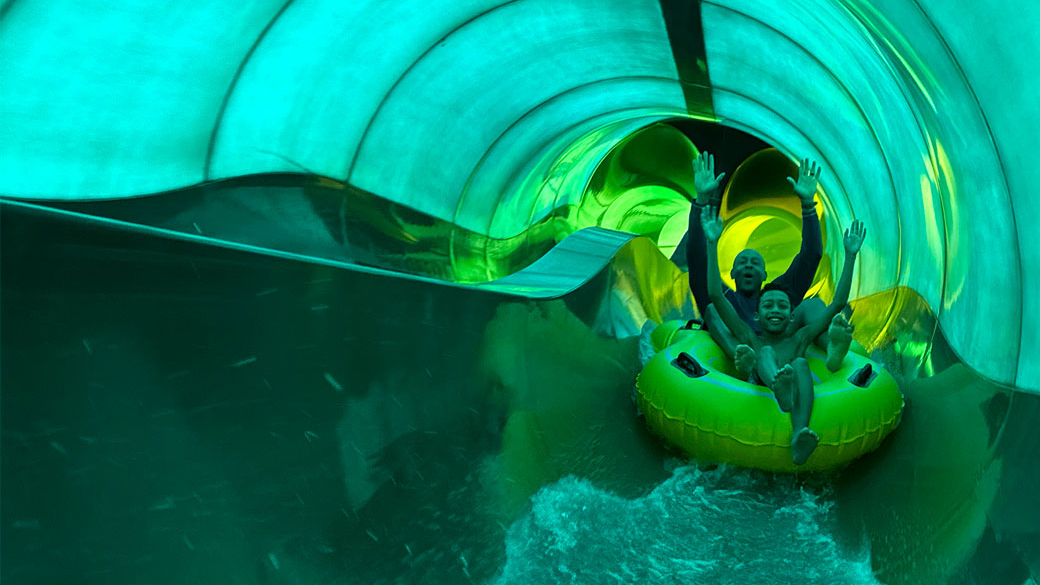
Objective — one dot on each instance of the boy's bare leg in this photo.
(839, 339)
(838, 346)
(805, 312)
(780, 380)
(720, 333)
(803, 440)
(742, 356)
(744, 360)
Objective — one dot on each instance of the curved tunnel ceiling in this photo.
(488, 113)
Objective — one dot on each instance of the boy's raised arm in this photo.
(712, 224)
(853, 242)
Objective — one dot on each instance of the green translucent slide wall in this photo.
(489, 115)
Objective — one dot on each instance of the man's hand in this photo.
(808, 178)
(854, 237)
(704, 179)
(712, 224)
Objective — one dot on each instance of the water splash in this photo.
(718, 526)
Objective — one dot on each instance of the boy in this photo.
(780, 364)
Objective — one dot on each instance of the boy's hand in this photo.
(712, 224)
(808, 179)
(704, 179)
(854, 237)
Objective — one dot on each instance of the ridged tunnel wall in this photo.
(491, 115)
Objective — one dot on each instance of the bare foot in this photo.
(840, 337)
(783, 388)
(744, 359)
(802, 445)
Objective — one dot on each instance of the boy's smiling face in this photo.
(774, 311)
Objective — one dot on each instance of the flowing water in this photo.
(173, 413)
(718, 526)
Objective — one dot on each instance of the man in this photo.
(749, 272)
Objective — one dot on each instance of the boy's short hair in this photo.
(774, 286)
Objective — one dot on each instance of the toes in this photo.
(802, 445)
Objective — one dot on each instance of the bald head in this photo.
(749, 271)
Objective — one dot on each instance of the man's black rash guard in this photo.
(796, 280)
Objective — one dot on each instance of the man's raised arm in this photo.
(707, 186)
(799, 275)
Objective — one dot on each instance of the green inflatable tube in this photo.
(713, 416)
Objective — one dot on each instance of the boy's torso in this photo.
(787, 349)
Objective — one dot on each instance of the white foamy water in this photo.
(723, 526)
